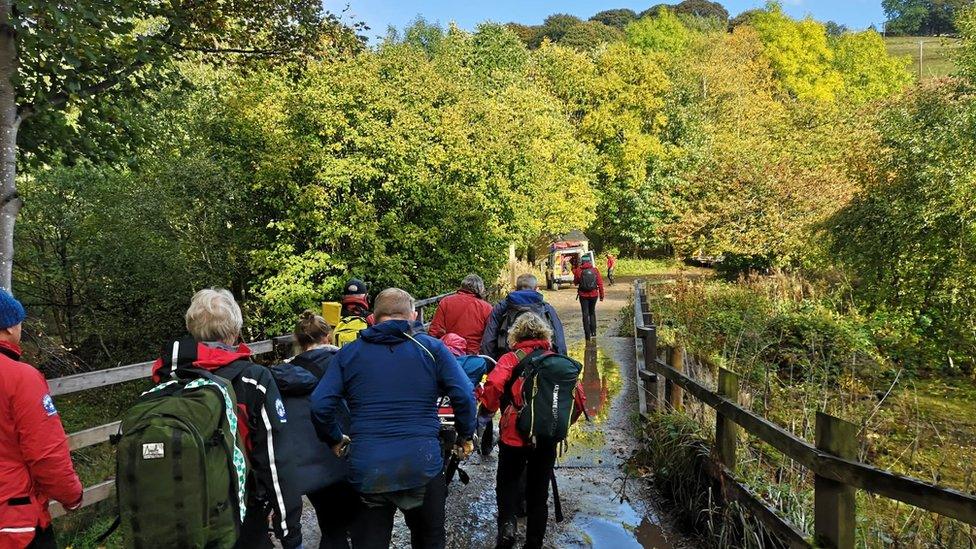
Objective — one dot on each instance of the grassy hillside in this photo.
(937, 60)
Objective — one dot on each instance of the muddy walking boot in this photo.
(507, 532)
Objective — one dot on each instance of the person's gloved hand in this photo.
(342, 447)
(464, 448)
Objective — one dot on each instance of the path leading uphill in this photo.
(591, 480)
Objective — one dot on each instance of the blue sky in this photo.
(378, 14)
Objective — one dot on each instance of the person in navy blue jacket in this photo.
(525, 298)
(318, 473)
(391, 379)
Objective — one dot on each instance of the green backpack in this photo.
(180, 471)
(547, 382)
(347, 330)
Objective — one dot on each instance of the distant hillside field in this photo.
(937, 59)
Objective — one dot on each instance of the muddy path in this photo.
(601, 507)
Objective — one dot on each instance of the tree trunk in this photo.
(9, 124)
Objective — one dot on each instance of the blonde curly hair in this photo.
(529, 326)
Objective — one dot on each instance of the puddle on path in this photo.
(587, 443)
(602, 519)
(626, 530)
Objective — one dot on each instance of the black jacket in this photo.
(315, 466)
(270, 460)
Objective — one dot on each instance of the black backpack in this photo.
(511, 315)
(588, 281)
(547, 382)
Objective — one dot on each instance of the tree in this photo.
(425, 35)
(589, 35)
(654, 10)
(744, 18)
(866, 68)
(835, 29)
(616, 98)
(663, 32)
(800, 54)
(527, 34)
(497, 56)
(909, 238)
(55, 55)
(555, 27)
(618, 18)
(703, 8)
(925, 17)
(905, 17)
(966, 57)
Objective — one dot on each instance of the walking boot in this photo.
(506, 535)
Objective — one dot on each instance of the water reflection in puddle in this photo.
(603, 520)
(627, 529)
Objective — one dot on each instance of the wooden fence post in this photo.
(672, 393)
(646, 307)
(651, 390)
(726, 432)
(834, 511)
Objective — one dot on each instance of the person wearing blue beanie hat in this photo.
(11, 311)
(35, 463)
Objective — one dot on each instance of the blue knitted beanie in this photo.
(11, 311)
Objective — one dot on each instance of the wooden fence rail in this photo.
(142, 370)
(832, 460)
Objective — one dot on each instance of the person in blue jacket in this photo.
(318, 473)
(525, 298)
(391, 379)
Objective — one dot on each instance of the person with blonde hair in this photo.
(320, 475)
(214, 321)
(391, 378)
(530, 336)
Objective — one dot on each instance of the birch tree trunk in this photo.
(9, 124)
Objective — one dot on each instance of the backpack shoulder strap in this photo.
(422, 346)
(517, 371)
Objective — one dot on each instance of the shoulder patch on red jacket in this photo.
(48, 403)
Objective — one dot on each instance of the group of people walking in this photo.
(350, 422)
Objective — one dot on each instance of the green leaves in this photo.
(910, 235)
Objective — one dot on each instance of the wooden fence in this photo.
(832, 459)
(142, 370)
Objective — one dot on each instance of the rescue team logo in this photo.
(48, 403)
(153, 450)
(280, 408)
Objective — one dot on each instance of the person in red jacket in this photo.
(515, 454)
(465, 313)
(35, 463)
(590, 287)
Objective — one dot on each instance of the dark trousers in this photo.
(373, 527)
(336, 507)
(588, 305)
(43, 539)
(537, 462)
(255, 533)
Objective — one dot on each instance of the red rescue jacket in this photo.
(495, 386)
(578, 273)
(464, 314)
(35, 463)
